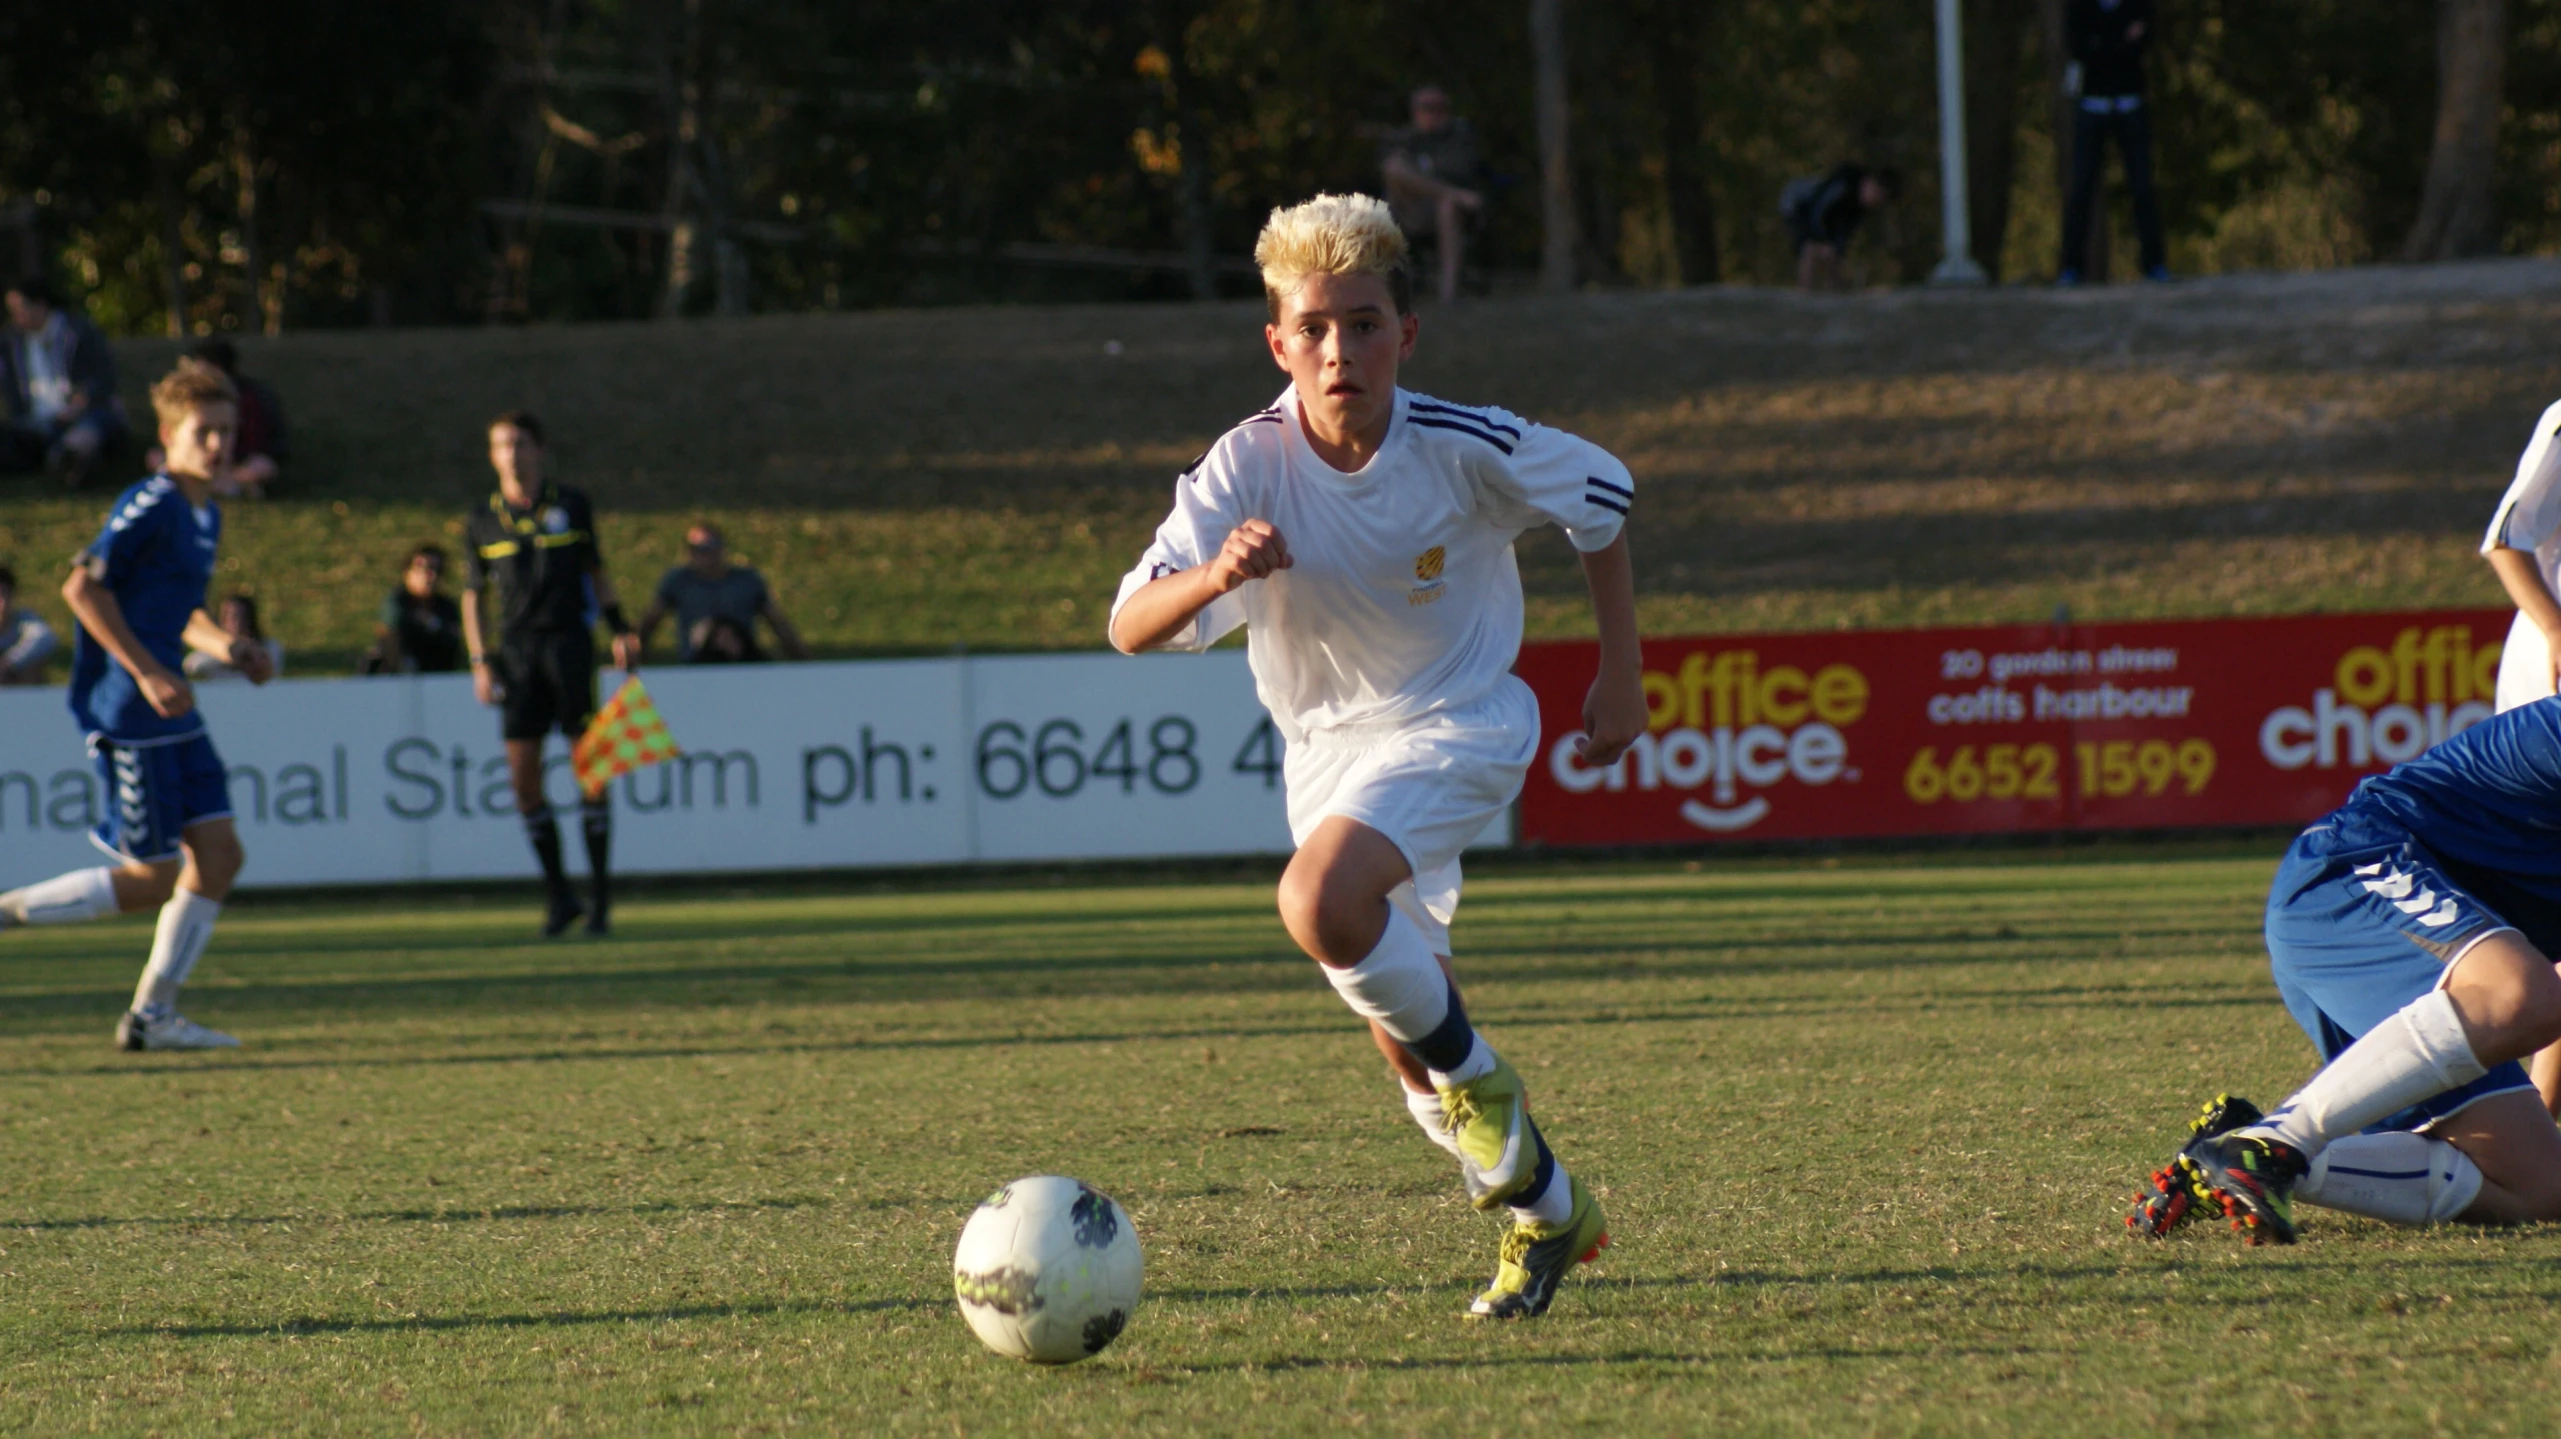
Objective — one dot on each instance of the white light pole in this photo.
(1958, 268)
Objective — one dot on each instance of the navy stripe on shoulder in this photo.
(1438, 407)
(1498, 443)
(1604, 502)
(1622, 491)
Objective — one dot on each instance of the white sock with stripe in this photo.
(2399, 1178)
(70, 898)
(2418, 1053)
(1426, 1109)
(186, 927)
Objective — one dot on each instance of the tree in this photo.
(1557, 226)
(2456, 218)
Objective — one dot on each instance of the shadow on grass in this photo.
(300, 1325)
(1710, 1009)
(461, 1214)
(1052, 976)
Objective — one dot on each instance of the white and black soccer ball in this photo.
(1047, 1270)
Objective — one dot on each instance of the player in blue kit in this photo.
(2410, 935)
(139, 593)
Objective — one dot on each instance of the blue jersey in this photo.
(2487, 802)
(156, 557)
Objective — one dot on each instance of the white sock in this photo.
(2417, 1054)
(2395, 1177)
(63, 899)
(1399, 983)
(186, 926)
(1426, 1109)
(1554, 1205)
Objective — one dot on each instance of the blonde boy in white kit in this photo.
(1363, 536)
(2524, 550)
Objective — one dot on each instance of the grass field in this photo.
(1863, 1127)
(915, 480)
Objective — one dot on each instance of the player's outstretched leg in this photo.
(596, 824)
(83, 894)
(2173, 1193)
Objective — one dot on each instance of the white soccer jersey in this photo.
(2529, 516)
(1403, 598)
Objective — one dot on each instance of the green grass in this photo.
(1864, 1128)
(915, 480)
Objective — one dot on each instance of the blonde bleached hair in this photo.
(1333, 235)
(191, 386)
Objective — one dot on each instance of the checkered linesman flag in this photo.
(625, 735)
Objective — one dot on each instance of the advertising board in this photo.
(2167, 724)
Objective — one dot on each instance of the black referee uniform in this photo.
(539, 561)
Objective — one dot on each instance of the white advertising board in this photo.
(812, 766)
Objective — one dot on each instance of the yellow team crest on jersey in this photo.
(1427, 573)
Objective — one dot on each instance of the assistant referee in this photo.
(536, 541)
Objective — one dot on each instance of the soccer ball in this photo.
(1047, 1270)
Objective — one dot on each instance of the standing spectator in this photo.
(534, 542)
(263, 446)
(2106, 38)
(239, 619)
(1823, 212)
(26, 641)
(61, 394)
(717, 604)
(1436, 181)
(420, 630)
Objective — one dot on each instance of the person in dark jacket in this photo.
(61, 409)
(1823, 212)
(2107, 39)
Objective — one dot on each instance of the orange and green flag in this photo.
(625, 735)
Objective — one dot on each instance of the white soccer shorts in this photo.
(1430, 785)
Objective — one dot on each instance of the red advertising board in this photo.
(2151, 725)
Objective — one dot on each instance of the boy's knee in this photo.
(1330, 913)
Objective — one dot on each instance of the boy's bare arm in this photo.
(95, 607)
(1162, 606)
(1614, 711)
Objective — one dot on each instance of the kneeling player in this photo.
(139, 593)
(2409, 933)
(1363, 535)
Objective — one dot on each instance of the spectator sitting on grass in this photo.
(62, 410)
(240, 617)
(1823, 212)
(1435, 181)
(26, 641)
(420, 628)
(708, 587)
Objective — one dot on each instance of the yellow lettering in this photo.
(2364, 676)
(1693, 685)
(2405, 665)
(1775, 709)
(1662, 700)
(2485, 669)
(1840, 694)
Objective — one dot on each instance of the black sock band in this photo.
(1446, 1047)
(544, 835)
(1541, 1177)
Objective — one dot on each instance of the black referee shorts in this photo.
(546, 682)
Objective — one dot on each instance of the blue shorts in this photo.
(153, 792)
(2362, 920)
